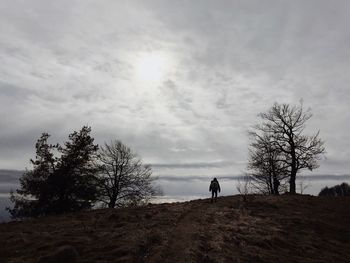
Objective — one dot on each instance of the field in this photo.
(258, 229)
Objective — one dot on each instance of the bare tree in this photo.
(303, 184)
(244, 185)
(266, 169)
(285, 124)
(122, 178)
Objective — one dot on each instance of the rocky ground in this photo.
(258, 229)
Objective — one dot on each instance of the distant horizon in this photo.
(189, 184)
(307, 175)
(181, 191)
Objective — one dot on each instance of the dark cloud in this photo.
(9, 180)
(197, 165)
(186, 178)
(318, 177)
(10, 176)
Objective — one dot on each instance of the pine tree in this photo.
(58, 184)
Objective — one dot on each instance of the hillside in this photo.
(263, 229)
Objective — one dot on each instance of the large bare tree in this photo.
(122, 178)
(284, 125)
(266, 169)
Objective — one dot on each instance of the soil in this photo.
(234, 229)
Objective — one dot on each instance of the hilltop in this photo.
(262, 229)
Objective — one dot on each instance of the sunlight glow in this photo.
(151, 67)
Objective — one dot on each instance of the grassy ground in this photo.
(259, 229)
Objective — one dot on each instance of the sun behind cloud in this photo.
(151, 67)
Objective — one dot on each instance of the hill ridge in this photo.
(262, 229)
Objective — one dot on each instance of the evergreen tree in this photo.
(58, 184)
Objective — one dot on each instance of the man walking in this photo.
(214, 188)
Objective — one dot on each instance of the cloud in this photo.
(215, 164)
(319, 177)
(188, 178)
(9, 180)
(316, 177)
(10, 176)
(70, 64)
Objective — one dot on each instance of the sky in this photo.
(180, 82)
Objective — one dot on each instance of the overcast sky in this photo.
(178, 81)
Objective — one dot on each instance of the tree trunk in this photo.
(292, 188)
(270, 186)
(293, 172)
(111, 203)
(276, 184)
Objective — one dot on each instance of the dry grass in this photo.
(260, 229)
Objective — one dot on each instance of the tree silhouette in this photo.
(123, 178)
(337, 190)
(284, 125)
(58, 184)
(265, 167)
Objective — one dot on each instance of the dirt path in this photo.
(188, 240)
(262, 229)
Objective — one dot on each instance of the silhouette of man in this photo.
(214, 188)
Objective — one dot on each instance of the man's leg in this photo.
(216, 195)
(212, 195)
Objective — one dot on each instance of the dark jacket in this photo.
(214, 186)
